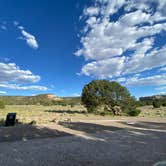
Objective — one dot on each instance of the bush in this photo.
(156, 104)
(102, 113)
(2, 122)
(72, 105)
(63, 104)
(164, 104)
(107, 113)
(141, 103)
(134, 112)
(33, 122)
(2, 105)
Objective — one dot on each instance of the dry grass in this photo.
(54, 114)
(42, 114)
(149, 111)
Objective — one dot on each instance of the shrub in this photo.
(141, 103)
(2, 122)
(102, 113)
(164, 104)
(72, 105)
(63, 104)
(156, 104)
(2, 105)
(134, 112)
(33, 122)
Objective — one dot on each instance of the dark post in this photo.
(10, 119)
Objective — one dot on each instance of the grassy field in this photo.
(51, 114)
(42, 114)
(149, 111)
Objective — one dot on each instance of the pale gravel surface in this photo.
(143, 144)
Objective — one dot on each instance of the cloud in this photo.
(16, 23)
(143, 62)
(12, 77)
(104, 68)
(117, 44)
(6, 59)
(3, 27)
(121, 79)
(161, 88)
(163, 93)
(76, 94)
(10, 72)
(91, 11)
(3, 92)
(162, 69)
(29, 38)
(150, 80)
(134, 18)
(19, 87)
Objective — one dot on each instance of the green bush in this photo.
(134, 112)
(102, 113)
(156, 104)
(2, 122)
(33, 122)
(106, 113)
(63, 104)
(141, 103)
(72, 105)
(164, 104)
(2, 105)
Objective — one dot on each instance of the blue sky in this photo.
(59, 46)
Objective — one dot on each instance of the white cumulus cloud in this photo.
(116, 44)
(10, 72)
(3, 92)
(12, 77)
(150, 80)
(20, 87)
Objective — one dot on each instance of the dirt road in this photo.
(89, 143)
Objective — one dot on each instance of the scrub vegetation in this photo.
(100, 99)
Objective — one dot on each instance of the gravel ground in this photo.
(142, 144)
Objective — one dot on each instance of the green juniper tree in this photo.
(108, 94)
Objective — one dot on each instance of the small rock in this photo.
(130, 123)
(24, 139)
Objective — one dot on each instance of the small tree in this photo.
(134, 112)
(164, 104)
(108, 94)
(156, 104)
(2, 105)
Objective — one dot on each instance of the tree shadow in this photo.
(66, 111)
(147, 125)
(88, 127)
(2, 122)
(105, 145)
(125, 134)
(26, 131)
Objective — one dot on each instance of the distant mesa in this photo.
(29, 100)
(155, 97)
(49, 96)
